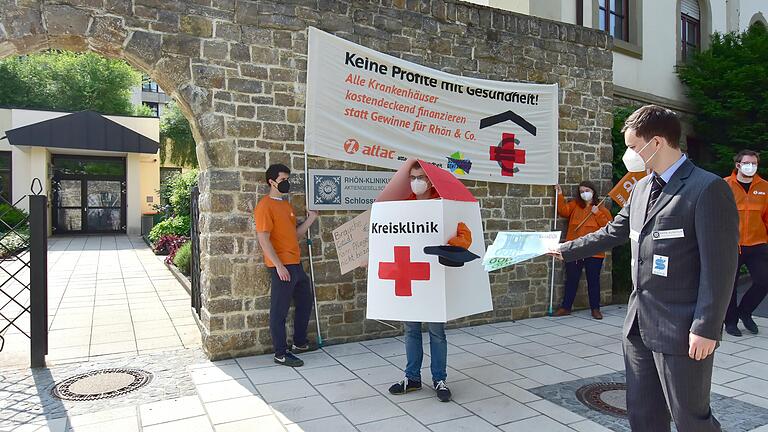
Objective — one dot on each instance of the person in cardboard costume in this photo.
(424, 289)
(421, 188)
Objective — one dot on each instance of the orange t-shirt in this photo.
(276, 217)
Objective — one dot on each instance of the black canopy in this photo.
(85, 130)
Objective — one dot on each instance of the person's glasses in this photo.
(421, 177)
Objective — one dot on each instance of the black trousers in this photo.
(298, 291)
(756, 259)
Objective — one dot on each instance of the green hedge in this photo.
(181, 192)
(11, 217)
(182, 258)
(177, 225)
(621, 273)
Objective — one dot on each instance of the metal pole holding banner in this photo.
(38, 276)
(552, 280)
(309, 246)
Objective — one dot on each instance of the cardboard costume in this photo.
(405, 283)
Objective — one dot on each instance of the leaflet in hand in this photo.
(513, 247)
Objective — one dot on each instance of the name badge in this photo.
(668, 234)
(660, 265)
(634, 235)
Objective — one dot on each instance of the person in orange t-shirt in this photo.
(278, 235)
(585, 216)
(751, 194)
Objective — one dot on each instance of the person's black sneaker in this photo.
(404, 386)
(302, 348)
(442, 391)
(288, 359)
(732, 329)
(749, 323)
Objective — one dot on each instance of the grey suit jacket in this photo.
(684, 257)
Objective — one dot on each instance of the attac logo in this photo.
(458, 165)
(352, 146)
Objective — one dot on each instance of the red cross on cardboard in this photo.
(507, 155)
(403, 271)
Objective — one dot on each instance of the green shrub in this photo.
(621, 272)
(182, 258)
(177, 225)
(181, 192)
(10, 217)
(166, 187)
(12, 243)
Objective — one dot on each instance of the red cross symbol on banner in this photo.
(507, 155)
(403, 271)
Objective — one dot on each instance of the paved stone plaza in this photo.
(511, 376)
(123, 300)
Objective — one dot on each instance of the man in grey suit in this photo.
(684, 231)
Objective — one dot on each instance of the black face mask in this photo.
(284, 186)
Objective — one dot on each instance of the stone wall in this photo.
(238, 69)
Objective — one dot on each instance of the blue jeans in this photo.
(414, 351)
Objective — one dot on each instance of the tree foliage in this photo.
(621, 274)
(177, 143)
(68, 81)
(728, 85)
(620, 115)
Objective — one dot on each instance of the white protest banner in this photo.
(513, 247)
(371, 108)
(345, 190)
(351, 240)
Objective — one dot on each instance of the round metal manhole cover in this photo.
(101, 384)
(605, 397)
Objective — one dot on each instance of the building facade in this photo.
(650, 37)
(96, 182)
(151, 95)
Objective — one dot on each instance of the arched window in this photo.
(690, 28)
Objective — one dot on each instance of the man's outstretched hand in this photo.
(555, 252)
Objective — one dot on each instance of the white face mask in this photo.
(634, 162)
(587, 196)
(748, 169)
(418, 186)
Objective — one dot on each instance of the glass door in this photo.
(103, 210)
(69, 206)
(89, 194)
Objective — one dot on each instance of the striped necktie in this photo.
(657, 184)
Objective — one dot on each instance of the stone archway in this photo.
(238, 70)
(32, 26)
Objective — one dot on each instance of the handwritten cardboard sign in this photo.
(351, 240)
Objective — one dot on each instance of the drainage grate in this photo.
(101, 384)
(605, 397)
